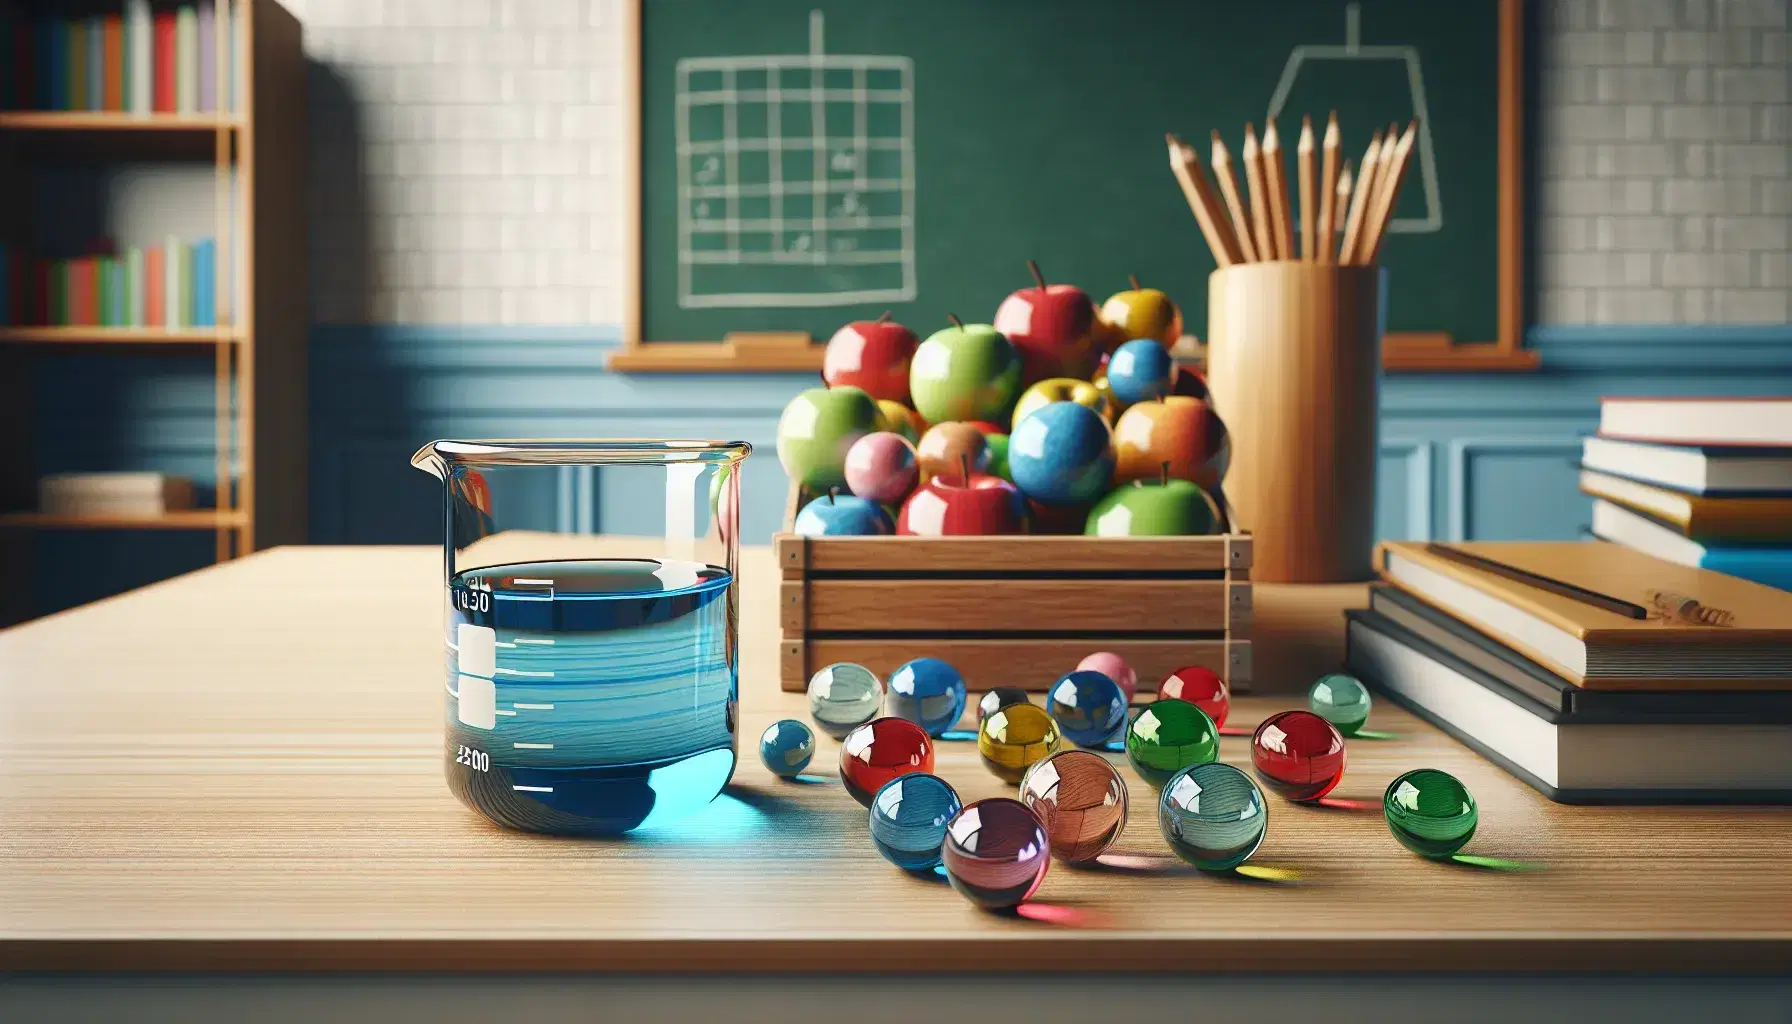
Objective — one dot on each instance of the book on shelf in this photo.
(1770, 565)
(129, 56)
(115, 494)
(1597, 647)
(1676, 750)
(1742, 519)
(1749, 422)
(172, 285)
(1695, 469)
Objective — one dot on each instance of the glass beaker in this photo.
(591, 610)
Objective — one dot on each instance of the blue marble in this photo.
(844, 696)
(1089, 707)
(928, 692)
(786, 747)
(908, 819)
(1212, 815)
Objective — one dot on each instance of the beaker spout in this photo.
(430, 461)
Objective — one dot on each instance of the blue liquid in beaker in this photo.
(590, 697)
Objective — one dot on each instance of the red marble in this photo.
(880, 750)
(1298, 755)
(1201, 687)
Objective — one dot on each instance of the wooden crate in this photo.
(1015, 611)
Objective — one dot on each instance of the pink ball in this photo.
(1114, 667)
(881, 467)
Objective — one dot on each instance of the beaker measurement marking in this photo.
(520, 672)
(500, 711)
(532, 640)
(500, 643)
(478, 760)
(473, 600)
(533, 789)
(522, 582)
(533, 746)
(533, 707)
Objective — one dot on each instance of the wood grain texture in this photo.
(1006, 554)
(240, 770)
(1009, 605)
(1293, 352)
(1029, 664)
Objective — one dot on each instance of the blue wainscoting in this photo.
(1484, 456)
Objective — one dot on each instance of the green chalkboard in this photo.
(810, 162)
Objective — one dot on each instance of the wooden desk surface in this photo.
(240, 769)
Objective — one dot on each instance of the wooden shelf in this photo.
(189, 519)
(117, 336)
(113, 121)
(90, 135)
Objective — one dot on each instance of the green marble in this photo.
(1168, 736)
(1212, 815)
(1430, 812)
(1341, 700)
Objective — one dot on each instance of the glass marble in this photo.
(1114, 667)
(1430, 812)
(1298, 755)
(999, 698)
(928, 692)
(1082, 801)
(1167, 737)
(786, 747)
(1089, 707)
(1016, 738)
(844, 696)
(1201, 687)
(1212, 815)
(1341, 700)
(996, 853)
(908, 819)
(880, 750)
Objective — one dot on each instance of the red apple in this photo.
(873, 355)
(1178, 431)
(1053, 326)
(952, 505)
(985, 427)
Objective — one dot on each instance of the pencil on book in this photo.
(1254, 177)
(1185, 163)
(1615, 605)
(1228, 182)
(1390, 192)
(1332, 148)
(1303, 151)
(1275, 175)
(1359, 198)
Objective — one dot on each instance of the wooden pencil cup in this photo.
(1293, 364)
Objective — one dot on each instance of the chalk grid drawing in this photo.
(1353, 49)
(796, 179)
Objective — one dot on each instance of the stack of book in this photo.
(1700, 482)
(113, 494)
(170, 285)
(1591, 671)
(134, 58)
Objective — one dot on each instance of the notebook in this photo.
(1717, 421)
(1597, 648)
(1771, 566)
(1570, 762)
(1701, 517)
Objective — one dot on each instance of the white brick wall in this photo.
(1665, 161)
(485, 133)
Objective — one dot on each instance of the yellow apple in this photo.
(900, 419)
(1062, 389)
(1142, 313)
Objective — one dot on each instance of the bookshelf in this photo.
(253, 141)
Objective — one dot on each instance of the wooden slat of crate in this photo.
(922, 555)
(1003, 605)
(1032, 664)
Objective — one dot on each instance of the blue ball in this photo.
(927, 692)
(1140, 370)
(1089, 707)
(908, 819)
(1062, 454)
(843, 515)
(786, 748)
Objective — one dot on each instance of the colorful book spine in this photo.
(208, 56)
(141, 29)
(174, 283)
(96, 63)
(155, 295)
(133, 287)
(186, 60)
(205, 283)
(77, 65)
(112, 61)
(188, 315)
(83, 289)
(56, 287)
(164, 47)
(233, 67)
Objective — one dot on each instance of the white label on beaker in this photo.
(478, 702)
(478, 650)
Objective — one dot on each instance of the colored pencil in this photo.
(1241, 221)
(1186, 165)
(1275, 173)
(1389, 193)
(1304, 154)
(1263, 230)
(1331, 149)
(1359, 199)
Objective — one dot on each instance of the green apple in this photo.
(1142, 313)
(998, 456)
(965, 372)
(817, 428)
(1062, 389)
(1154, 508)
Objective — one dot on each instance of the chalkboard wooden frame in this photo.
(797, 352)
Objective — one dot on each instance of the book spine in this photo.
(155, 296)
(232, 67)
(186, 60)
(163, 64)
(133, 287)
(112, 61)
(43, 93)
(205, 286)
(208, 56)
(142, 42)
(80, 291)
(15, 43)
(171, 278)
(189, 293)
(56, 293)
(96, 63)
(76, 38)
